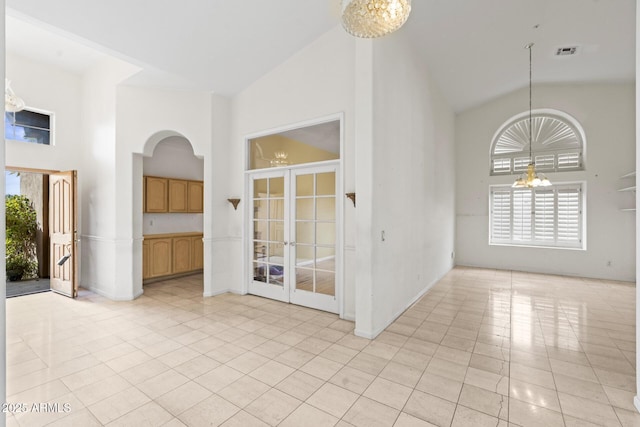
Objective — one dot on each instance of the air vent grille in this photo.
(567, 50)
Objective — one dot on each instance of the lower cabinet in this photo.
(169, 254)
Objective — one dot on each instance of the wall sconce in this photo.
(234, 202)
(352, 197)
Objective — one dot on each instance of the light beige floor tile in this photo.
(389, 393)
(576, 422)
(273, 407)
(218, 378)
(406, 420)
(411, 358)
(581, 388)
(430, 408)
(212, 411)
(588, 410)
(163, 383)
(465, 417)
(295, 357)
(381, 350)
(247, 362)
(144, 371)
(77, 418)
(447, 369)
(184, 397)
(487, 380)
(368, 363)
(369, 413)
(300, 385)
(533, 375)
(525, 415)
(243, 391)
(628, 418)
(616, 380)
(44, 393)
(321, 368)
(118, 405)
(401, 374)
(150, 414)
(488, 402)
(309, 416)
(453, 355)
(352, 379)
(440, 386)
(197, 366)
(489, 364)
(534, 394)
(332, 399)
(244, 419)
(100, 390)
(620, 398)
(272, 372)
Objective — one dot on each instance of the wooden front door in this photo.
(63, 232)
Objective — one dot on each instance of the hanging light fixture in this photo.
(12, 103)
(531, 178)
(374, 18)
(280, 159)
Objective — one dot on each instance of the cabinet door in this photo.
(195, 198)
(197, 253)
(181, 254)
(160, 255)
(155, 194)
(146, 260)
(178, 190)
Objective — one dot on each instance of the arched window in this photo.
(558, 143)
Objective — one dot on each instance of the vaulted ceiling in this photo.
(474, 48)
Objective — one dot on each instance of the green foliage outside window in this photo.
(21, 228)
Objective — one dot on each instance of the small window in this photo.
(558, 143)
(28, 126)
(541, 216)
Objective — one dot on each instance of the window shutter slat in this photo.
(544, 215)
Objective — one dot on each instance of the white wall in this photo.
(412, 198)
(97, 175)
(146, 116)
(316, 82)
(636, 400)
(606, 112)
(46, 87)
(173, 158)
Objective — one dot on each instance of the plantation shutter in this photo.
(501, 215)
(522, 215)
(544, 215)
(569, 216)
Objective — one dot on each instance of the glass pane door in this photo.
(269, 257)
(313, 237)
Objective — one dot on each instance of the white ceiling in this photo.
(473, 48)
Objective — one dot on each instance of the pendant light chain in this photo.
(530, 106)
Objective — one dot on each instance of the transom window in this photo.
(28, 126)
(558, 143)
(541, 216)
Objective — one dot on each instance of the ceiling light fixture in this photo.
(531, 178)
(12, 103)
(280, 159)
(374, 18)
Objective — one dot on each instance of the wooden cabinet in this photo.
(146, 260)
(160, 257)
(182, 247)
(195, 198)
(163, 195)
(171, 254)
(178, 194)
(155, 194)
(197, 253)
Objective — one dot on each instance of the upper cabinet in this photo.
(172, 195)
(155, 194)
(195, 198)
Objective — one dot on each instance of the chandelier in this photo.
(531, 178)
(374, 18)
(12, 103)
(280, 159)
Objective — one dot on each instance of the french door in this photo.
(293, 235)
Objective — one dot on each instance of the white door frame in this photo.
(246, 238)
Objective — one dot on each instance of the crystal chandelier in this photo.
(531, 178)
(280, 159)
(374, 18)
(12, 103)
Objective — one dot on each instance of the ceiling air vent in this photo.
(567, 51)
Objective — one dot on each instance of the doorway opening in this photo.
(28, 270)
(295, 215)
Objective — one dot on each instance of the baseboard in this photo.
(213, 294)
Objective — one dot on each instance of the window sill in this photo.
(516, 245)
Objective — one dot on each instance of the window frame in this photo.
(51, 128)
(534, 242)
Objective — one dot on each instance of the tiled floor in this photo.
(483, 347)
